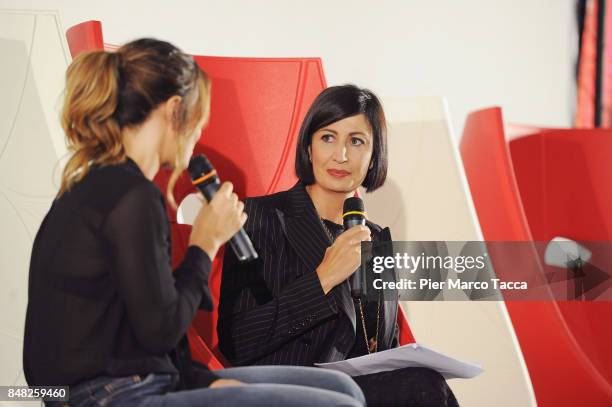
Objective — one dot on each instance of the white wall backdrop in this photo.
(512, 53)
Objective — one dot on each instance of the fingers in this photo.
(243, 218)
(356, 235)
(362, 228)
(225, 197)
(226, 383)
(358, 229)
(236, 208)
(233, 199)
(226, 189)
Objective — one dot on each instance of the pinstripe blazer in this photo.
(274, 310)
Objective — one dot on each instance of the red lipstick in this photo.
(338, 173)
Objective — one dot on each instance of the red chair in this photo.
(257, 107)
(535, 187)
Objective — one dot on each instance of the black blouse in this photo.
(102, 298)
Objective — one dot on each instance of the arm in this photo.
(253, 320)
(160, 305)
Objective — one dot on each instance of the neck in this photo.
(142, 146)
(329, 204)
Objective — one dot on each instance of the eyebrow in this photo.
(355, 133)
(329, 130)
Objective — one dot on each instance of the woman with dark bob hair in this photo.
(106, 315)
(293, 306)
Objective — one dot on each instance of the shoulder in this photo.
(266, 202)
(110, 185)
(265, 206)
(264, 221)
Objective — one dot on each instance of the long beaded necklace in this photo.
(372, 344)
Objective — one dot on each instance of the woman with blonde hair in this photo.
(106, 316)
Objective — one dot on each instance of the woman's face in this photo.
(170, 141)
(192, 141)
(341, 153)
(171, 147)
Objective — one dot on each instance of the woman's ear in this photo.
(171, 111)
(310, 153)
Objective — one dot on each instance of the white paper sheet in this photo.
(411, 355)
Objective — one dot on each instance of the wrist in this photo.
(326, 284)
(209, 246)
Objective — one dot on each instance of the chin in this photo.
(340, 185)
(166, 166)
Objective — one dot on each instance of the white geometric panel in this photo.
(426, 197)
(15, 246)
(15, 41)
(188, 209)
(34, 62)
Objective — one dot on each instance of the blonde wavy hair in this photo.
(109, 91)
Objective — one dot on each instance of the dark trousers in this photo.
(409, 387)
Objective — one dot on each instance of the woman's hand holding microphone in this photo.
(215, 223)
(343, 257)
(218, 220)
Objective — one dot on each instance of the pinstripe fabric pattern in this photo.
(274, 310)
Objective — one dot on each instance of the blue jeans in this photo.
(269, 386)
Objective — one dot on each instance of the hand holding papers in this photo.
(411, 355)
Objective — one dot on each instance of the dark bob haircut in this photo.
(337, 103)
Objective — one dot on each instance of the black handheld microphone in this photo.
(205, 178)
(353, 214)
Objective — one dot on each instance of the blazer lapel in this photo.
(304, 231)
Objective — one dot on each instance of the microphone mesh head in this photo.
(199, 166)
(353, 204)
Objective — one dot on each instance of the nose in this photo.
(340, 153)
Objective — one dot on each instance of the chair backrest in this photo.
(563, 177)
(508, 196)
(564, 181)
(491, 177)
(257, 107)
